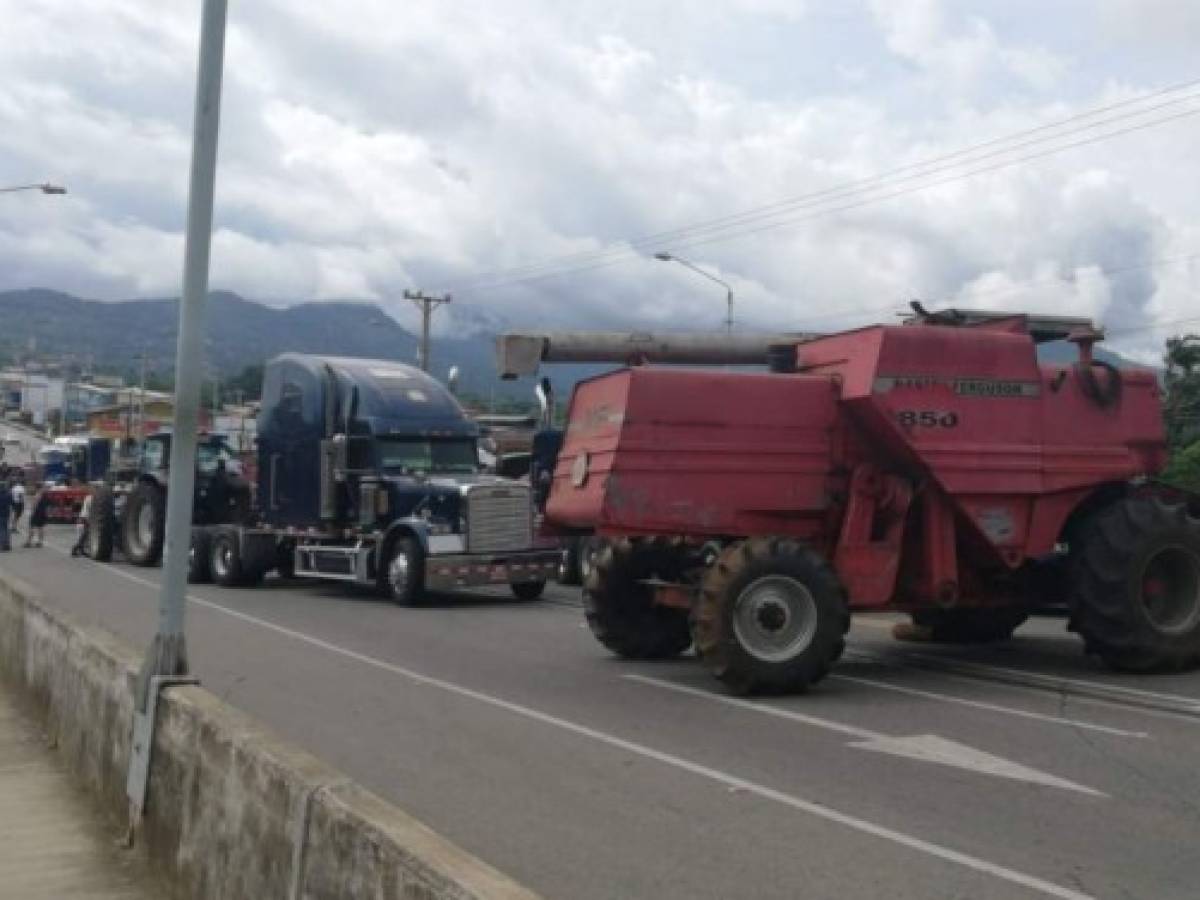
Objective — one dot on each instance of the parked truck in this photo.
(932, 468)
(368, 473)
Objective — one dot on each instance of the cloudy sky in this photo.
(518, 152)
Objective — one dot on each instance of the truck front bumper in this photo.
(443, 573)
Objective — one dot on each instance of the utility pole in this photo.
(426, 304)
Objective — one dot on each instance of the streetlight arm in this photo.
(45, 188)
(700, 271)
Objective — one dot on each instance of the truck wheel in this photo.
(229, 567)
(568, 564)
(200, 556)
(772, 617)
(527, 590)
(401, 575)
(101, 525)
(1136, 586)
(620, 610)
(970, 626)
(142, 525)
(285, 560)
(588, 548)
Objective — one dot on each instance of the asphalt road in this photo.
(948, 774)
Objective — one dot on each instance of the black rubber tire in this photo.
(228, 567)
(102, 525)
(1110, 565)
(200, 556)
(971, 626)
(138, 552)
(738, 567)
(528, 590)
(621, 612)
(588, 548)
(285, 560)
(412, 592)
(568, 564)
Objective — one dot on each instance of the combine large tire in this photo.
(102, 525)
(771, 618)
(143, 524)
(1136, 586)
(970, 626)
(621, 611)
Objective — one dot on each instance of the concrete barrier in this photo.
(232, 811)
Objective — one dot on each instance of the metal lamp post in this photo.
(670, 257)
(167, 655)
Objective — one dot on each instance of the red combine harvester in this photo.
(933, 468)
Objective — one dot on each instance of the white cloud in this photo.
(368, 147)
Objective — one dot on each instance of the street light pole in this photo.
(167, 655)
(671, 257)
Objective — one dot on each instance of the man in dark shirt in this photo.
(5, 514)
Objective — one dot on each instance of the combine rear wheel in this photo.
(1136, 586)
(969, 626)
(102, 525)
(621, 611)
(772, 617)
(143, 523)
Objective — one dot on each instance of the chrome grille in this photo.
(499, 517)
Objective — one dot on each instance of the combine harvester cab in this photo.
(933, 468)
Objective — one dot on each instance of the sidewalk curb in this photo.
(232, 810)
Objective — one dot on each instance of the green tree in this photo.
(1181, 380)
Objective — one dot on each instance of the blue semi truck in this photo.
(368, 473)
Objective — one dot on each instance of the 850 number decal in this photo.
(927, 418)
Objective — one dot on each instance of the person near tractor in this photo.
(18, 503)
(37, 518)
(5, 515)
(81, 528)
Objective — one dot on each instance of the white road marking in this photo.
(1057, 681)
(924, 747)
(725, 779)
(991, 707)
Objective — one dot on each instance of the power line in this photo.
(626, 255)
(933, 166)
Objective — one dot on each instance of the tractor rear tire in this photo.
(772, 617)
(621, 611)
(1136, 586)
(102, 525)
(970, 626)
(200, 556)
(230, 568)
(143, 524)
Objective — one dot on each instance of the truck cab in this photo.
(369, 469)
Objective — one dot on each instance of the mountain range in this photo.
(110, 335)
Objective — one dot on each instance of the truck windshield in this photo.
(428, 455)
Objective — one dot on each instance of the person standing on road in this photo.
(5, 515)
(18, 503)
(37, 518)
(81, 527)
